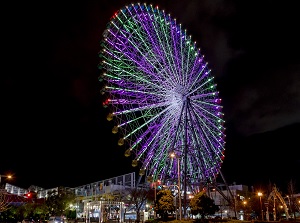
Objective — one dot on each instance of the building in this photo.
(94, 200)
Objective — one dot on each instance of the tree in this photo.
(4, 200)
(41, 211)
(58, 202)
(32, 210)
(164, 203)
(292, 202)
(203, 205)
(137, 198)
(244, 205)
(9, 215)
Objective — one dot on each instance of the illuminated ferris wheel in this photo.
(161, 96)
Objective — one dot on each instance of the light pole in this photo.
(179, 198)
(7, 176)
(155, 185)
(262, 213)
(245, 203)
(173, 155)
(289, 203)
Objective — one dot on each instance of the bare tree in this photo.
(5, 200)
(291, 199)
(137, 198)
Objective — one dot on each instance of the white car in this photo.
(57, 219)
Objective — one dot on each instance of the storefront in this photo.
(102, 211)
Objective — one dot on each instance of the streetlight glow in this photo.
(7, 176)
(262, 213)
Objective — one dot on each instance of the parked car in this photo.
(57, 219)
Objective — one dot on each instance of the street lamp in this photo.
(262, 213)
(7, 176)
(289, 202)
(179, 198)
(155, 186)
(173, 155)
(245, 203)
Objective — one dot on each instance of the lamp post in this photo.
(155, 186)
(173, 155)
(7, 176)
(245, 203)
(262, 213)
(179, 198)
(290, 208)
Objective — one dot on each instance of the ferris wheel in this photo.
(161, 96)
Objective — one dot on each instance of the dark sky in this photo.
(54, 130)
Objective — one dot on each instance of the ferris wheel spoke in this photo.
(168, 51)
(132, 72)
(211, 138)
(151, 41)
(129, 56)
(175, 40)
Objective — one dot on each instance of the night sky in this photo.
(54, 130)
